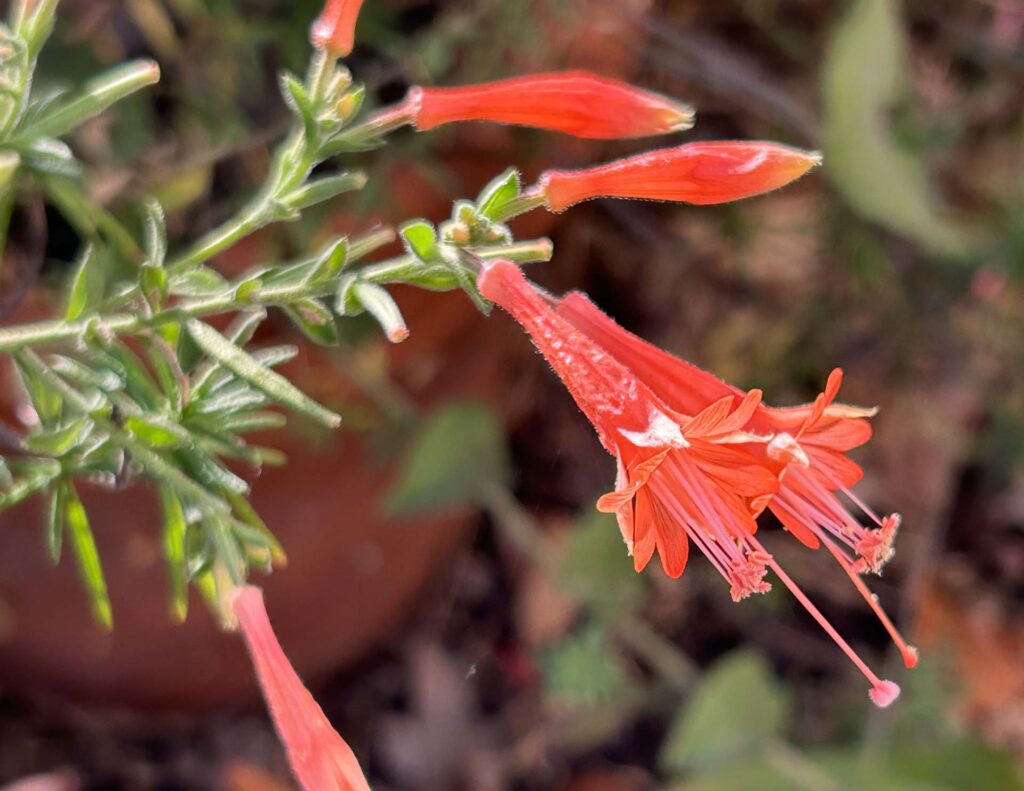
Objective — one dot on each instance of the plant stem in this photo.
(293, 161)
(47, 333)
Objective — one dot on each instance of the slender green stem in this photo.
(395, 270)
(293, 161)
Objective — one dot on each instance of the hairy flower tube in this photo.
(319, 757)
(806, 445)
(335, 28)
(682, 476)
(700, 173)
(575, 102)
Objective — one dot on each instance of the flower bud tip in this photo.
(884, 693)
(684, 117)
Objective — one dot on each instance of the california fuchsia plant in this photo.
(133, 382)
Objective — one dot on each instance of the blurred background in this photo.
(464, 616)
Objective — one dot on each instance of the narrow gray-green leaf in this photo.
(84, 545)
(97, 95)
(156, 233)
(157, 431)
(55, 522)
(60, 440)
(245, 367)
(83, 296)
(175, 529)
(314, 320)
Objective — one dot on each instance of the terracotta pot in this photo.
(351, 578)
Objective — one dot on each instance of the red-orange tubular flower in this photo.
(701, 173)
(806, 445)
(685, 475)
(335, 28)
(319, 757)
(575, 102)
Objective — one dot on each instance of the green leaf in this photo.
(97, 95)
(239, 332)
(318, 191)
(298, 99)
(138, 383)
(223, 401)
(84, 545)
(267, 381)
(164, 361)
(83, 376)
(736, 713)
(200, 282)
(156, 234)
(47, 404)
(174, 532)
(331, 260)
(596, 567)
(86, 286)
(420, 240)
(498, 193)
(584, 670)
(865, 74)
(55, 523)
(458, 455)
(382, 306)
(228, 551)
(751, 773)
(245, 511)
(157, 431)
(49, 157)
(245, 422)
(60, 440)
(314, 320)
(209, 472)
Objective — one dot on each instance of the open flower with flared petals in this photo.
(335, 28)
(806, 445)
(701, 173)
(681, 478)
(575, 102)
(683, 475)
(319, 757)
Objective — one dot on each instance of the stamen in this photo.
(883, 692)
(747, 576)
(907, 651)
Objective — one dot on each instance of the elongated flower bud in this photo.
(335, 28)
(319, 757)
(701, 173)
(575, 102)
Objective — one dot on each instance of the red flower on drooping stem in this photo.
(700, 173)
(684, 476)
(575, 102)
(335, 28)
(319, 757)
(806, 445)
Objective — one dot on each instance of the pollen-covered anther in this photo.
(746, 576)
(884, 693)
(875, 548)
(784, 449)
